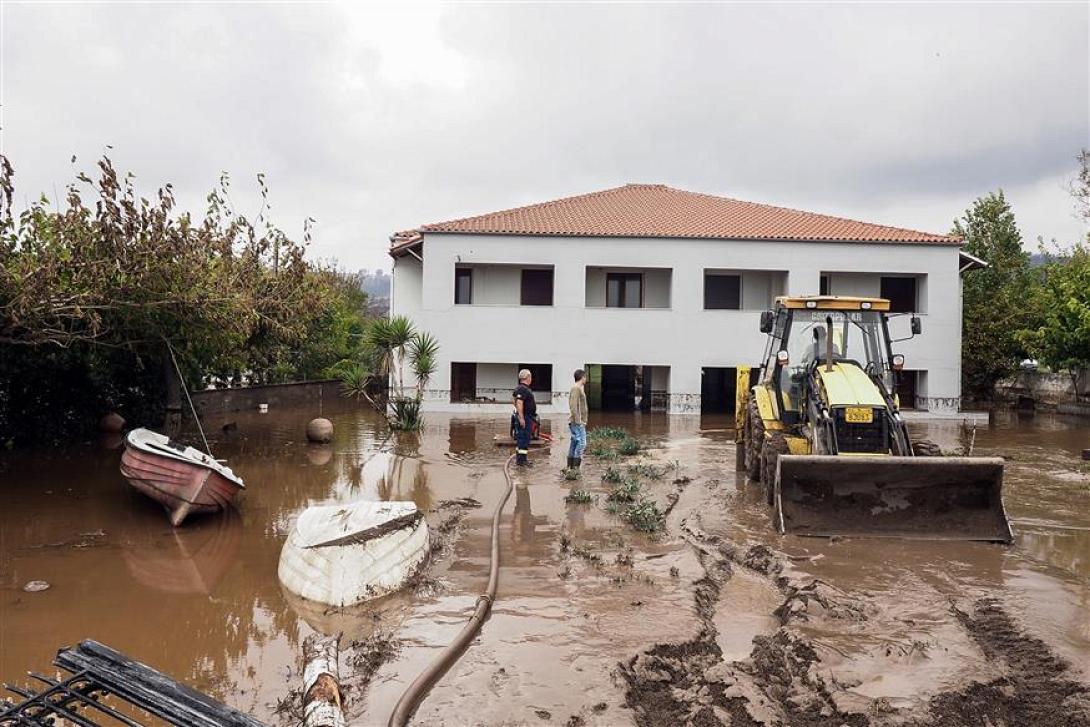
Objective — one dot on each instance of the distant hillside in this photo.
(375, 283)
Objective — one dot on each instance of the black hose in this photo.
(439, 666)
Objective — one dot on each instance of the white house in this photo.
(657, 292)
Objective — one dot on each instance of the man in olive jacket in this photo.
(577, 424)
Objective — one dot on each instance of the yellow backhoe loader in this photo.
(819, 424)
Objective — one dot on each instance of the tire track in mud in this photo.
(779, 683)
(690, 683)
(1037, 690)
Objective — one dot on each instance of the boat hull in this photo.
(181, 488)
(344, 554)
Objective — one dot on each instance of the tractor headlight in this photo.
(811, 304)
(782, 358)
(897, 362)
(865, 305)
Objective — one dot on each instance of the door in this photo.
(463, 382)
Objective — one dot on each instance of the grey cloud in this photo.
(849, 109)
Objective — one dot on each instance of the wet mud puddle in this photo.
(717, 620)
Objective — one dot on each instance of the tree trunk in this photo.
(322, 700)
(172, 423)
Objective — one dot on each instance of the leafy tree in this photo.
(1062, 338)
(94, 288)
(995, 300)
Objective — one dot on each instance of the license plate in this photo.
(858, 415)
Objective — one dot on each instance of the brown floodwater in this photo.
(203, 602)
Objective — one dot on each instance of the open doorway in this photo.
(627, 388)
(906, 389)
(718, 390)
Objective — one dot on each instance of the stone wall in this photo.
(1046, 391)
(220, 401)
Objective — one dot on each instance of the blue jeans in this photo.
(578, 440)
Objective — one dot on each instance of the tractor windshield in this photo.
(857, 336)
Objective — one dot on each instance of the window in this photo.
(624, 290)
(541, 376)
(537, 287)
(463, 286)
(823, 286)
(722, 292)
(901, 294)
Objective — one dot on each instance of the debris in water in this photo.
(36, 586)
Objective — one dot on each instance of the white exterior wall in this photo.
(496, 284)
(684, 337)
(493, 378)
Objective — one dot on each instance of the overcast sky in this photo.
(380, 118)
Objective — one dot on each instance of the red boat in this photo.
(182, 479)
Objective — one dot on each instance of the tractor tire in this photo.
(775, 445)
(755, 437)
(926, 448)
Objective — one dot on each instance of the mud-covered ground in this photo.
(715, 619)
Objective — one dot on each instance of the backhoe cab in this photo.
(821, 427)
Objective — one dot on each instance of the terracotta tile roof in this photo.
(655, 210)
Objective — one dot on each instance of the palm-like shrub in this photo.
(388, 345)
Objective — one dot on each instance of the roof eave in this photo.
(936, 240)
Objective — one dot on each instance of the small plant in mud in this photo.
(648, 470)
(644, 516)
(624, 558)
(628, 447)
(582, 551)
(571, 474)
(626, 491)
(680, 479)
(612, 474)
(565, 542)
(607, 433)
(579, 496)
(602, 451)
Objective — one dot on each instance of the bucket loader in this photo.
(819, 424)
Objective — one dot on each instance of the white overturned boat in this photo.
(344, 554)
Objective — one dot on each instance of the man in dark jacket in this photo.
(525, 414)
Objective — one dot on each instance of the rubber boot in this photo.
(577, 462)
(521, 461)
(571, 463)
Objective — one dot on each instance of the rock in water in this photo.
(320, 430)
(344, 554)
(36, 586)
(112, 423)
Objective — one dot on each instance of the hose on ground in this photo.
(439, 666)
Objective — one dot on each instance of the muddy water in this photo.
(579, 591)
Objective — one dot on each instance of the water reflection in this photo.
(355, 622)
(204, 603)
(186, 560)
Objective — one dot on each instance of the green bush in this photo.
(628, 447)
(607, 433)
(405, 415)
(579, 496)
